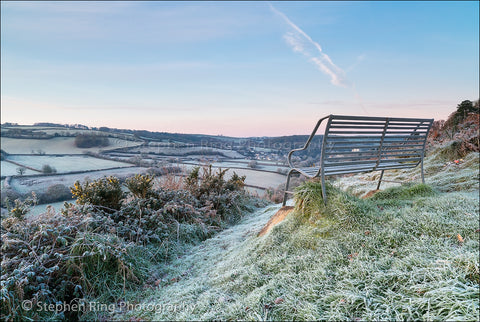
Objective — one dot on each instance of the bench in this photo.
(355, 144)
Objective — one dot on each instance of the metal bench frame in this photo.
(356, 144)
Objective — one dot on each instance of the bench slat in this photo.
(383, 157)
(381, 126)
(370, 138)
(375, 132)
(349, 152)
(376, 118)
(348, 163)
(398, 159)
(370, 144)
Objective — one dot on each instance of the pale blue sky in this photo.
(234, 68)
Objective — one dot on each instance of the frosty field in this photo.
(254, 178)
(182, 151)
(270, 166)
(57, 145)
(10, 169)
(41, 184)
(67, 163)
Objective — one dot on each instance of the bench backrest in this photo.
(362, 144)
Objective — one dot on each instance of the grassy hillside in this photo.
(409, 252)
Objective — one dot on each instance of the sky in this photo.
(234, 68)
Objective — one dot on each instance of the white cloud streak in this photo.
(305, 45)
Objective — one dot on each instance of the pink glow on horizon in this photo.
(238, 124)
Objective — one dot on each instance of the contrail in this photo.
(304, 44)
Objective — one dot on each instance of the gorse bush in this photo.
(140, 185)
(106, 193)
(226, 197)
(20, 208)
(211, 182)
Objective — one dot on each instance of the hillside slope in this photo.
(408, 252)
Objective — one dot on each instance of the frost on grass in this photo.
(408, 253)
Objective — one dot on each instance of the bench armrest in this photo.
(289, 159)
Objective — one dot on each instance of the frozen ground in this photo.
(66, 163)
(41, 184)
(10, 169)
(254, 178)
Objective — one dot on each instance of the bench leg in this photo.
(324, 192)
(423, 176)
(286, 187)
(380, 181)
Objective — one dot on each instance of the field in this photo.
(184, 151)
(64, 164)
(40, 184)
(57, 145)
(267, 166)
(254, 178)
(10, 169)
(40, 209)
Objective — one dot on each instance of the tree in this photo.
(91, 140)
(21, 171)
(48, 169)
(464, 108)
(253, 164)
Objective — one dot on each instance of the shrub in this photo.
(54, 193)
(7, 195)
(103, 261)
(21, 208)
(212, 190)
(59, 258)
(91, 140)
(140, 185)
(105, 193)
(253, 164)
(211, 182)
(48, 169)
(275, 195)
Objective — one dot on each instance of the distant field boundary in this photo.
(67, 173)
(184, 154)
(238, 168)
(246, 185)
(258, 163)
(57, 154)
(21, 165)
